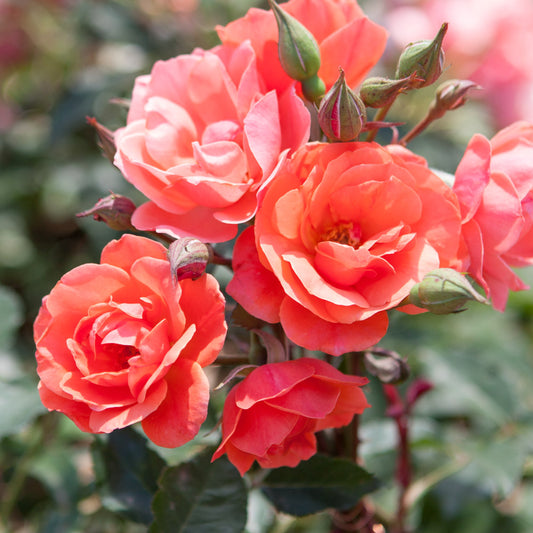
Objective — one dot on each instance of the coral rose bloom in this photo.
(342, 234)
(346, 38)
(121, 342)
(273, 414)
(494, 184)
(202, 135)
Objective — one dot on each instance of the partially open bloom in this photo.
(346, 38)
(121, 342)
(273, 414)
(342, 234)
(203, 135)
(494, 184)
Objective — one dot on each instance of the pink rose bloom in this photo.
(203, 134)
(494, 185)
(488, 41)
(273, 414)
(346, 38)
(343, 232)
(122, 342)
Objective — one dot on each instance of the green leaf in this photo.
(200, 497)
(127, 472)
(320, 483)
(19, 404)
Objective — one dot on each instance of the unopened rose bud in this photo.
(298, 50)
(425, 58)
(115, 210)
(341, 114)
(444, 291)
(451, 95)
(106, 138)
(379, 92)
(386, 365)
(188, 258)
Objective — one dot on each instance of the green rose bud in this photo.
(298, 49)
(341, 114)
(423, 58)
(444, 291)
(381, 92)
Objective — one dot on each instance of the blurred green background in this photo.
(61, 61)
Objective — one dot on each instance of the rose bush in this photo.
(273, 414)
(346, 38)
(121, 342)
(342, 234)
(494, 184)
(196, 144)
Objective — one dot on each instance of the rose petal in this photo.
(178, 418)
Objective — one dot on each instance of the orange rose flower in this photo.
(273, 414)
(203, 134)
(122, 342)
(342, 234)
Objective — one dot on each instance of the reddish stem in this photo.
(399, 412)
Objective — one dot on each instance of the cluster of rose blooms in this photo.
(337, 234)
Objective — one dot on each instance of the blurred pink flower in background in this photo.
(488, 41)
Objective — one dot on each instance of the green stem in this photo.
(381, 113)
(419, 128)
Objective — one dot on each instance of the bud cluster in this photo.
(342, 113)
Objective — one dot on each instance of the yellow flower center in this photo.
(344, 233)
